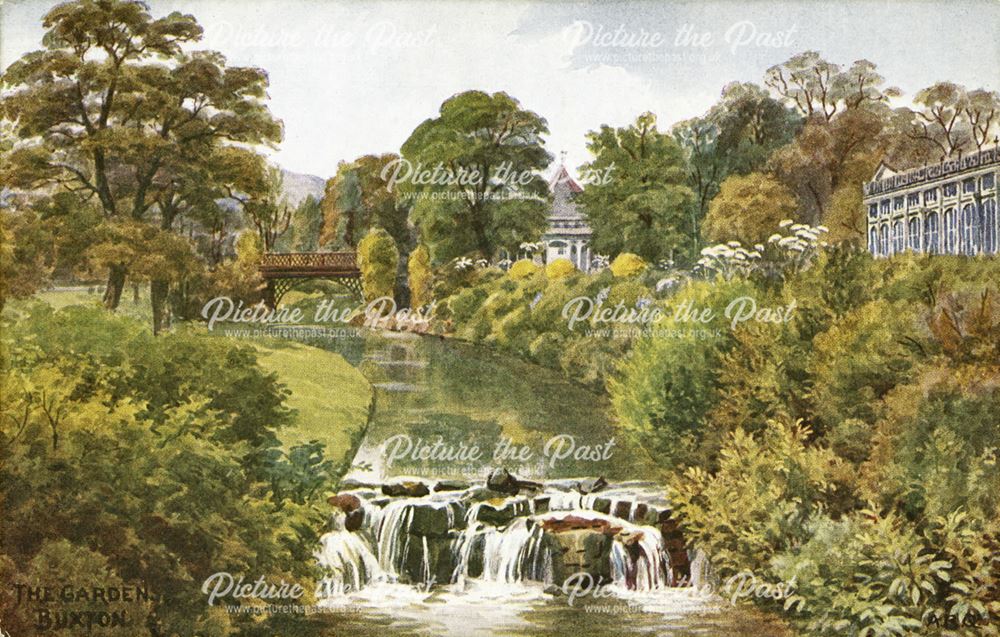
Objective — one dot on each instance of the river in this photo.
(569, 555)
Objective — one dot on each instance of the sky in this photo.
(351, 78)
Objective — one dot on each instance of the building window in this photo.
(873, 241)
(885, 207)
(950, 190)
(898, 238)
(969, 185)
(873, 210)
(931, 237)
(990, 227)
(897, 203)
(950, 235)
(913, 199)
(987, 182)
(913, 241)
(930, 196)
(969, 230)
(883, 240)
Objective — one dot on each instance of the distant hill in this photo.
(298, 186)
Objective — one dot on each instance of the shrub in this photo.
(523, 269)
(421, 277)
(627, 264)
(378, 259)
(559, 269)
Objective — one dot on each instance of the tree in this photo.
(307, 221)
(820, 89)
(25, 260)
(951, 119)
(378, 260)
(265, 206)
(846, 114)
(421, 277)
(736, 136)
(359, 198)
(748, 209)
(474, 172)
(115, 106)
(641, 203)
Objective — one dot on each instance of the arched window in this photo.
(873, 241)
(990, 227)
(950, 234)
(969, 230)
(932, 239)
(883, 240)
(913, 241)
(898, 238)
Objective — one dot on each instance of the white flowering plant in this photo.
(791, 249)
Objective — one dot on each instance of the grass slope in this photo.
(330, 397)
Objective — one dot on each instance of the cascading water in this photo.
(451, 539)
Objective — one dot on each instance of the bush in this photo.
(627, 264)
(523, 269)
(559, 269)
(421, 277)
(378, 259)
(179, 432)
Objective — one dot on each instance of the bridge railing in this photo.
(310, 260)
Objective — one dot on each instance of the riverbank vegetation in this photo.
(162, 460)
(847, 445)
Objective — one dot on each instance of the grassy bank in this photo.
(330, 397)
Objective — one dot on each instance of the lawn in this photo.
(331, 398)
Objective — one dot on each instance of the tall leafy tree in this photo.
(846, 113)
(736, 136)
(641, 202)
(115, 105)
(492, 150)
(359, 198)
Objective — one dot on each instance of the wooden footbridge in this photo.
(281, 271)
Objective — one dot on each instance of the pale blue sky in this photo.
(350, 78)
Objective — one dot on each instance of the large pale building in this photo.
(568, 235)
(946, 208)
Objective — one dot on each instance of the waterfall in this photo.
(347, 562)
(515, 554)
(648, 569)
(392, 536)
(542, 538)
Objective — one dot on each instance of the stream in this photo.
(574, 540)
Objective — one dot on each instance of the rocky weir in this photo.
(503, 530)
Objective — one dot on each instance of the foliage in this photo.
(421, 277)
(627, 264)
(522, 269)
(559, 269)
(736, 136)
(360, 197)
(641, 202)
(377, 260)
(748, 208)
(180, 432)
(490, 150)
(24, 256)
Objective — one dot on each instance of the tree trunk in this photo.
(116, 283)
(158, 289)
(135, 293)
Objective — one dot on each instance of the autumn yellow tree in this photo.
(748, 208)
